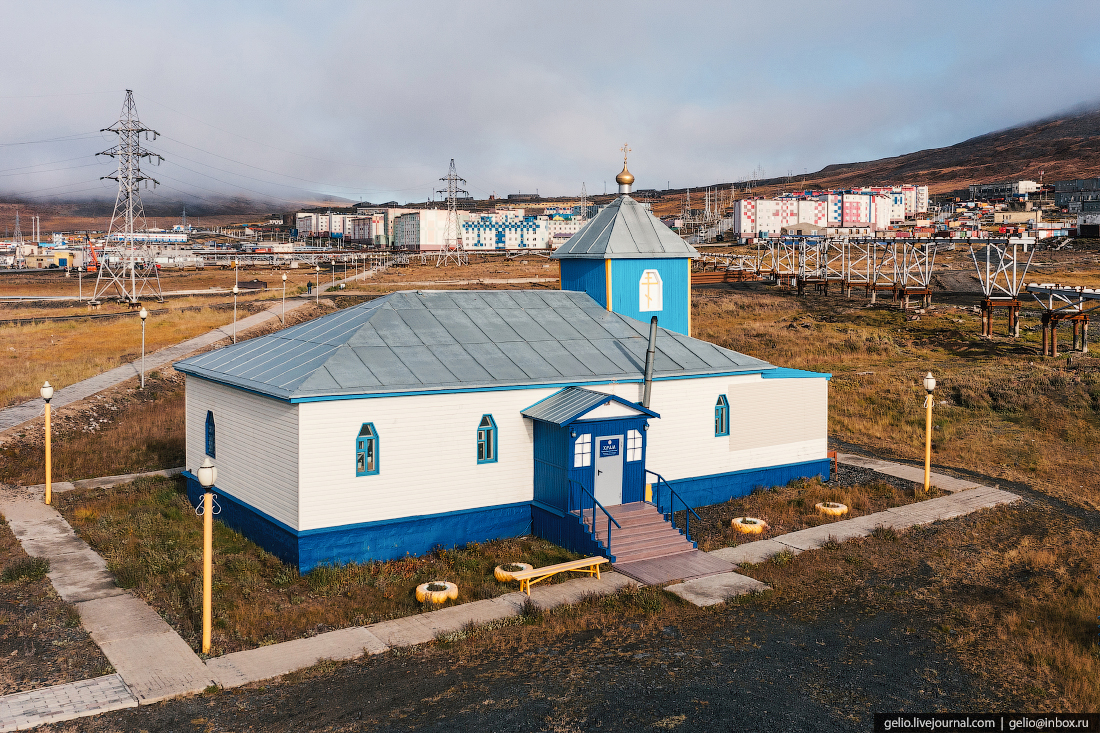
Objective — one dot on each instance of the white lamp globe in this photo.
(46, 391)
(929, 383)
(144, 314)
(207, 473)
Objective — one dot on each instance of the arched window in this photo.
(721, 416)
(366, 451)
(486, 440)
(210, 443)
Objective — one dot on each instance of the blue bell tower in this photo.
(630, 262)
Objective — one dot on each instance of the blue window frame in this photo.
(211, 445)
(721, 416)
(486, 440)
(366, 450)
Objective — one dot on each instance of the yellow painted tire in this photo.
(832, 508)
(505, 576)
(749, 525)
(436, 596)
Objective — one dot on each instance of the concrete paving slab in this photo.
(253, 665)
(26, 710)
(151, 657)
(715, 589)
(753, 552)
(82, 576)
(103, 482)
(815, 537)
(120, 618)
(407, 631)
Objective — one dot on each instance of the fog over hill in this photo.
(1061, 147)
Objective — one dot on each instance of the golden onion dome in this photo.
(625, 178)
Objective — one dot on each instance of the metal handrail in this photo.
(673, 496)
(595, 504)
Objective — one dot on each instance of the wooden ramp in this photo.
(681, 566)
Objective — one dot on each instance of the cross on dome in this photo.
(624, 179)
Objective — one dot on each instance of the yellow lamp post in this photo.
(317, 290)
(47, 395)
(283, 316)
(235, 291)
(930, 387)
(144, 314)
(207, 475)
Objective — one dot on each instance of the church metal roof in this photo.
(565, 406)
(424, 341)
(624, 229)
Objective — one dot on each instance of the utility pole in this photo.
(129, 213)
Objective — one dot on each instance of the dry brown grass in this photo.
(792, 507)
(65, 352)
(152, 541)
(1012, 591)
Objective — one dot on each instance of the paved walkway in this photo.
(16, 415)
(103, 482)
(26, 710)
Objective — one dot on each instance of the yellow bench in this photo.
(527, 578)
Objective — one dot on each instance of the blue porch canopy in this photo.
(572, 403)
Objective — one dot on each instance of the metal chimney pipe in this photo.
(650, 352)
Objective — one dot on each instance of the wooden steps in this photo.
(644, 533)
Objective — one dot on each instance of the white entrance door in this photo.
(609, 470)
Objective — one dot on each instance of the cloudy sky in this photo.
(370, 100)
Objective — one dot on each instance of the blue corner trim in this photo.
(786, 373)
(221, 492)
(463, 390)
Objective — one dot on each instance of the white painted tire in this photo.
(749, 525)
(832, 508)
(505, 576)
(450, 592)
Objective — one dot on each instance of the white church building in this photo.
(437, 418)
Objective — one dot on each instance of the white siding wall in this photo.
(427, 456)
(256, 443)
(682, 443)
(427, 450)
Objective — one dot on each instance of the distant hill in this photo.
(1067, 146)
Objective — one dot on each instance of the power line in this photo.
(51, 162)
(63, 138)
(51, 170)
(70, 94)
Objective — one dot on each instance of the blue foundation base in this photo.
(385, 540)
(720, 487)
(394, 538)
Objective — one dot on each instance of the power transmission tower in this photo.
(584, 202)
(452, 241)
(123, 258)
